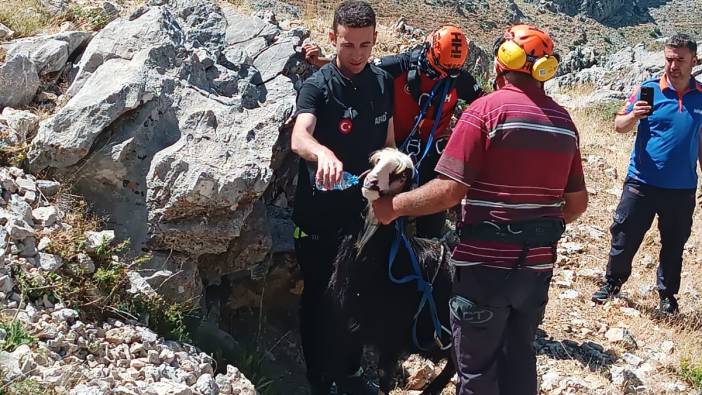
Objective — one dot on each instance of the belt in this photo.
(543, 232)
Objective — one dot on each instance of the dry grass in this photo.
(24, 17)
(3, 53)
(67, 242)
(28, 17)
(603, 150)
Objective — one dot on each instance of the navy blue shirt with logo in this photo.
(352, 121)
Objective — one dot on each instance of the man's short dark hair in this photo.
(354, 13)
(681, 40)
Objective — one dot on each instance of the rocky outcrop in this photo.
(614, 77)
(176, 136)
(49, 54)
(608, 12)
(28, 59)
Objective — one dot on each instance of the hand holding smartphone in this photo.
(646, 95)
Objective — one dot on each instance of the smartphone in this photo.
(647, 95)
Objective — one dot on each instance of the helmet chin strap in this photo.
(424, 66)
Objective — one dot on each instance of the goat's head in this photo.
(390, 174)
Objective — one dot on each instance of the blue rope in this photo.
(423, 286)
(442, 87)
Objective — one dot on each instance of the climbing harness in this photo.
(412, 145)
(543, 232)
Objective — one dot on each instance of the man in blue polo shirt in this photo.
(662, 175)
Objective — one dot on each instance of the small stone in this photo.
(167, 356)
(170, 388)
(19, 229)
(84, 389)
(571, 248)
(550, 380)
(153, 358)
(121, 335)
(85, 263)
(569, 294)
(5, 32)
(615, 335)
(206, 368)
(49, 262)
(6, 283)
(625, 379)
(64, 315)
(95, 240)
(44, 243)
(28, 248)
(46, 216)
(48, 188)
(648, 262)
(25, 185)
(137, 364)
(146, 335)
(30, 197)
(137, 349)
(630, 312)
(632, 359)
(46, 302)
(206, 385)
(611, 173)
(67, 26)
(566, 280)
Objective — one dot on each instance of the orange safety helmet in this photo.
(527, 49)
(447, 50)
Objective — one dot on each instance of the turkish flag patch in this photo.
(345, 126)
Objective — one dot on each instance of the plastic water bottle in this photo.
(347, 180)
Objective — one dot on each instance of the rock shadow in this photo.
(589, 354)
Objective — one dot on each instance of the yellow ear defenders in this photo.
(513, 57)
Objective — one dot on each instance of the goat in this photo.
(368, 302)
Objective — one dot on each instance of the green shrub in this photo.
(16, 335)
(691, 373)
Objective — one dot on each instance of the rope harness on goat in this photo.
(423, 286)
(412, 147)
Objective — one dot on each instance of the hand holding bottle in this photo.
(347, 180)
(329, 169)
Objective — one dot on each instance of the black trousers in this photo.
(639, 204)
(430, 226)
(331, 351)
(494, 317)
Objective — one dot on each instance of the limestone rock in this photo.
(19, 81)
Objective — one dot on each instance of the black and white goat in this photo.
(369, 302)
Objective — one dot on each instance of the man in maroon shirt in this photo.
(513, 161)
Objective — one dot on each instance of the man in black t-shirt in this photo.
(415, 74)
(344, 113)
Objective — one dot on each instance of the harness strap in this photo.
(423, 286)
(413, 84)
(439, 91)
